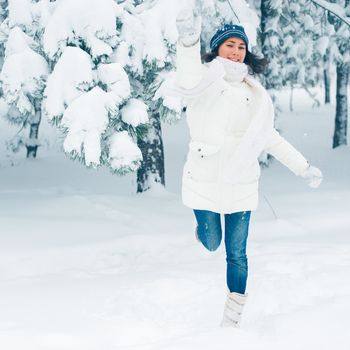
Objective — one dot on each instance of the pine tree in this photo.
(269, 42)
(123, 66)
(149, 56)
(294, 42)
(338, 30)
(302, 40)
(88, 94)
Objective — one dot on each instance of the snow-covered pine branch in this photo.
(82, 22)
(342, 13)
(71, 77)
(23, 76)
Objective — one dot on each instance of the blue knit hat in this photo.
(225, 32)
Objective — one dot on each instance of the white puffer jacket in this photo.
(231, 122)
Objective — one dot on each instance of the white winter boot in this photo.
(233, 309)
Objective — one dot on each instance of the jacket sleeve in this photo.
(189, 69)
(284, 152)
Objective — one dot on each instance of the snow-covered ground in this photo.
(85, 264)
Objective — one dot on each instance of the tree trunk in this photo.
(265, 11)
(341, 114)
(327, 83)
(152, 167)
(32, 144)
(291, 98)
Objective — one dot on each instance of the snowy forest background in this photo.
(85, 263)
(93, 71)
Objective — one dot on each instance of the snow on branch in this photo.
(335, 9)
(24, 72)
(73, 21)
(86, 118)
(71, 77)
(124, 153)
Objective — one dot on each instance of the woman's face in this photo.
(233, 49)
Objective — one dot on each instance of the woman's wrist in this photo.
(188, 42)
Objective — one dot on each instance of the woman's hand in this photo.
(188, 23)
(312, 176)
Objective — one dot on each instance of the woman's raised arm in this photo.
(188, 59)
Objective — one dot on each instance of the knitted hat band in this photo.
(228, 31)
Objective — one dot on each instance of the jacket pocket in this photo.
(203, 161)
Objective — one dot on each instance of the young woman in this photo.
(230, 117)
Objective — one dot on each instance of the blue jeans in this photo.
(236, 233)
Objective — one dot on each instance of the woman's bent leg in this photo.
(236, 234)
(209, 228)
